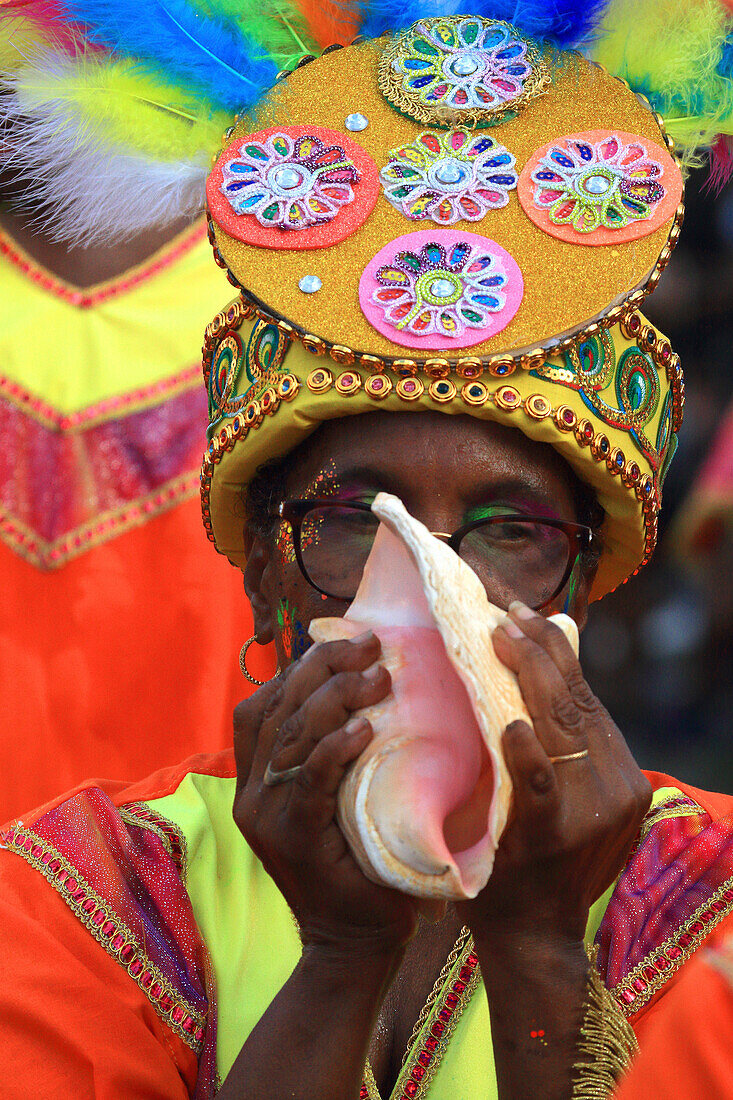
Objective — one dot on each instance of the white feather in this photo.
(82, 193)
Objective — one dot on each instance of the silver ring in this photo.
(271, 778)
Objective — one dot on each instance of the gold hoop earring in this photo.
(243, 664)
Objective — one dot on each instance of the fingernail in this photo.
(510, 627)
(355, 725)
(360, 639)
(373, 673)
(521, 610)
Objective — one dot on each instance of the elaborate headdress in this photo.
(461, 210)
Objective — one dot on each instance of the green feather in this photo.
(275, 25)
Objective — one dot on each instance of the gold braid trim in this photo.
(607, 1041)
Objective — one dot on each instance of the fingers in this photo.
(249, 716)
(558, 719)
(311, 804)
(320, 665)
(536, 790)
(327, 709)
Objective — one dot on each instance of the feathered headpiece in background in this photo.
(112, 108)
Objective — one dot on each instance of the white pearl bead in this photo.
(442, 288)
(288, 178)
(309, 284)
(464, 66)
(449, 173)
(596, 185)
(356, 122)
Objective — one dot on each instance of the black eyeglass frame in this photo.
(294, 512)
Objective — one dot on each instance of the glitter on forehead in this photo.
(324, 484)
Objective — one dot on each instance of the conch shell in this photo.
(424, 805)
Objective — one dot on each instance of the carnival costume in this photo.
(101, 429)
(455, 213)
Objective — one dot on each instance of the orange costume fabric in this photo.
(687, 1050)
(76, 988)
(119, 628)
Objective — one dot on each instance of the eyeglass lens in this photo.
(515, 559)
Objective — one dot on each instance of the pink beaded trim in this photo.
(648, 977)
(430, 1046)
(47, 555)
(94, 296)
(111, 408)
(108, 930)
(674, 806)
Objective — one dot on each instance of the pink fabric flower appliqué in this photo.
(289, 183)
(434, 291)
(449, 176)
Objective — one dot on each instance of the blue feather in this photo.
(563, 23)
(225, 66)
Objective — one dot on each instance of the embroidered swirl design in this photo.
(605, 184)
(461, 67)
(449, 176)
(432, 291)
(289, 183)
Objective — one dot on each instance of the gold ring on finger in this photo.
(568, 756)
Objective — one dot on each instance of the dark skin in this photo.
(368, 960)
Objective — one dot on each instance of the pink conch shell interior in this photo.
(424, 806)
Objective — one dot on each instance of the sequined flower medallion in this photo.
(449, 176)
(289, 183)
(601, 185)
(432, 291)
(458, 68)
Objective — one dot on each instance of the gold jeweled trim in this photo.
(109, 931)
(648, 976)
(438, 1020)
(321, 380)
(170, 836)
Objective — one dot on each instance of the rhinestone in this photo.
(596, 185)
(450, 172)
(309, 284)
(442, 288)
(464, 66)
(288, 178)
(356, 122)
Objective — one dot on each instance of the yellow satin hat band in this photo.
(610, 404)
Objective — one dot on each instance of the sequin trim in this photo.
(109, 931)
(430, 1045)
(50, 555)
(506, 398)
(674, 806)
(94, 296)
(172, 839)
(648, 977)
(111, 408)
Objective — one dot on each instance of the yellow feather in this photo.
(116, 103)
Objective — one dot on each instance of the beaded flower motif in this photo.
(603, 185)
(289, 183)
(429, 292)
(449, 176)
(464, 63)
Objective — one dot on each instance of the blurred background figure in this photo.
(112, 665)
(666, 674)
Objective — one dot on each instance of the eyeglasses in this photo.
(516, 557)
